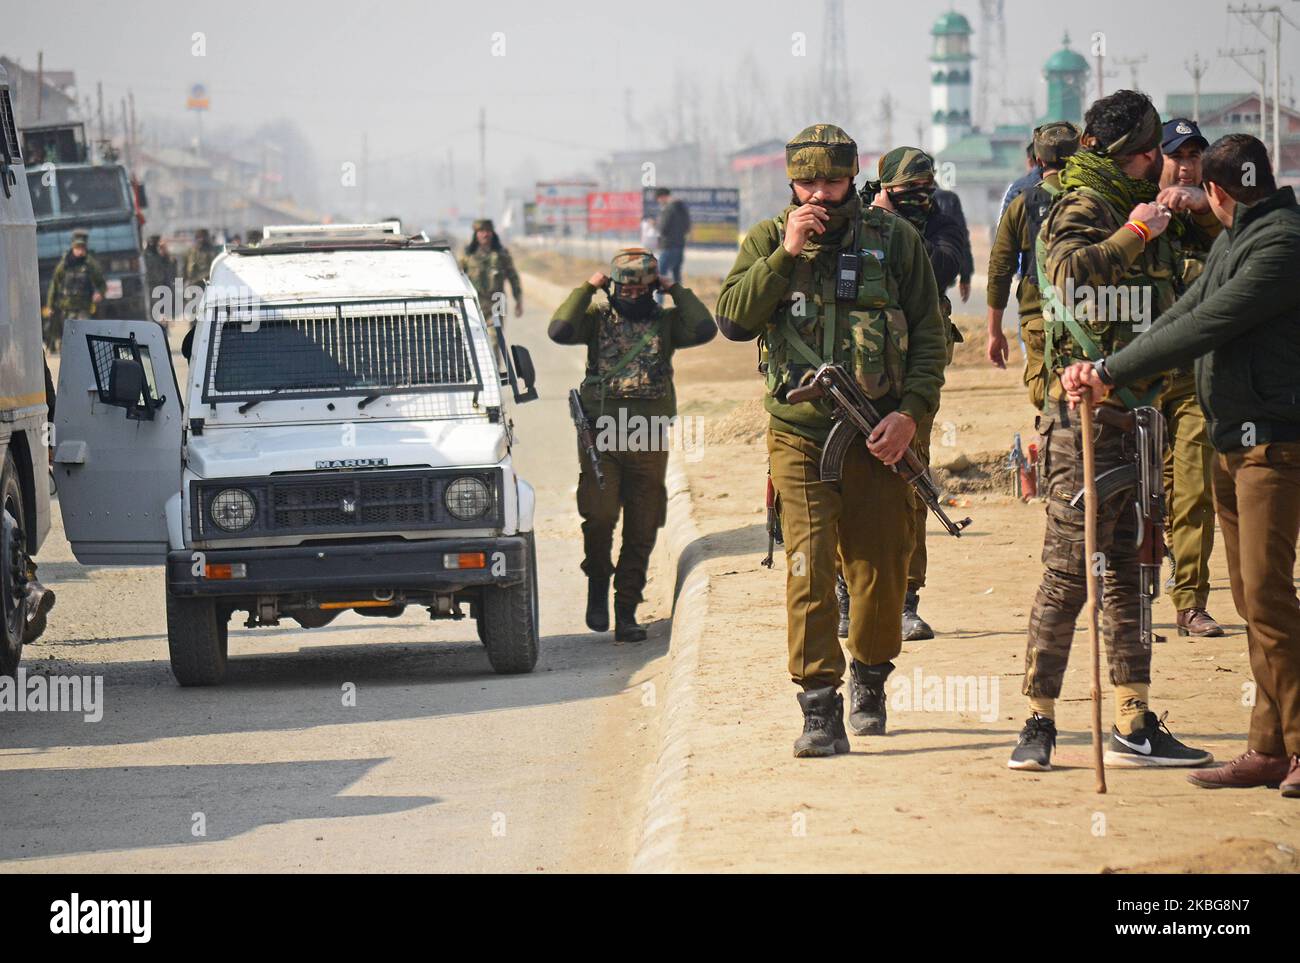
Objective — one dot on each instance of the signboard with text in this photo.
(614, 212)
(715, 213)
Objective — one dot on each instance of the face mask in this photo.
(635, 309)
(913, 203)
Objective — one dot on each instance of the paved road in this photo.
(441, 765)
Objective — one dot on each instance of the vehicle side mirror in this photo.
(126, 383)
(525, 373)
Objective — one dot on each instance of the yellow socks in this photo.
(1130, 706)
(1043, 706)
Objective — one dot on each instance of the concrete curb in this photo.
(665, 812)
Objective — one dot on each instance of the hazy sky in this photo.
(413, 75)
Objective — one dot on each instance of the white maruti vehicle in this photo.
(341, 443)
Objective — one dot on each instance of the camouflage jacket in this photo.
(73, 285)
(1115, 285)
(643, 383)
(159, 270)
(1008, 255)
(198, 262)
(489, 271)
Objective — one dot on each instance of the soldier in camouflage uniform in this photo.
(198, 262)
(1013, 252)
(906, 187)
(490, 267)
(629, 396)
(75, 288)
(1103, 243)
(890, 335)
(1189, 460)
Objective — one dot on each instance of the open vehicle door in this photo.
(117, 434)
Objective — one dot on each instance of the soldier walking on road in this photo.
(906, 188)
(1013, 252)
(1103, 242)
(75, 288)
(159, 268)
(489, 266)
(885, 327)
(629, 396)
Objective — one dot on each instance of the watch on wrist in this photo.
(1099, 366)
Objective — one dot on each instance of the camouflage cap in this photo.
(80, 236)
(484, 224)
(1054, 142)
(903, 164)
(634, 265)
(822, 150)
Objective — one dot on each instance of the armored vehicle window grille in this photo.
(10, 132)
(314, 350)
(105, 350)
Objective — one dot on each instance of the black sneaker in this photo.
(842, 597)
(1152, 745)
(823, 724)
(1034, 750)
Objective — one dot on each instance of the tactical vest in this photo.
(868, 335)
(1149, 284)
(76, 287)
(630, 359)
(486, 272)
(1038, 201)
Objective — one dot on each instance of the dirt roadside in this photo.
(935, 795)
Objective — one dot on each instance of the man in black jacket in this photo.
(1240, 322)
(674, 224)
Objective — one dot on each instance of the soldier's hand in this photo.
(46, 312)
(96, 297)
(998, 352)
(892, 436)
(519, 309)
(1081, 381)
(963, 288)
(1180, 198)
(1154, 216)
(803, 223)
(598, 280)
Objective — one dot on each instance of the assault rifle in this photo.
(855, 416)
(1144, 477)
(774, 534)
(586, 435)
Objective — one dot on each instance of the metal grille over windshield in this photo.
(313, 350)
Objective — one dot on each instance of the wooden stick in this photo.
(1090, 552)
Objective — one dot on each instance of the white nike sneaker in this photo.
(1152, 745)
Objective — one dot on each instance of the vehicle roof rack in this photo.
(297, 238)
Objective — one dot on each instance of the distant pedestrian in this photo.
(674, 224)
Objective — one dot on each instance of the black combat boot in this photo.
(823, 724)
(626, 628)
(842, 596)
(598, 604)
(867, 697)
(915, 628)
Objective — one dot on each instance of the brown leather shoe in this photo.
(1248, 771)
(1198, 622)
(1291, 784)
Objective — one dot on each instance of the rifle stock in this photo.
(586, 435)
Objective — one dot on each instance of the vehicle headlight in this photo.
(233, 510)
(468, 498)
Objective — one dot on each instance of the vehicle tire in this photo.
(13, 568)
(197, 636)
(509, 620)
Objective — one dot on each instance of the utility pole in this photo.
(365, 177)
(1132, 63)
(1256, 15)
(835, 85)
(1197, 68)
(1258, 76)
(482, 160)
(40, 82)
(99, 95)
(887, 120)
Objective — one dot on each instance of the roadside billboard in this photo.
(562, 206)
(614, 212)
(715, 213)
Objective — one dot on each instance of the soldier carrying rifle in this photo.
(831, 281)
(628, 396)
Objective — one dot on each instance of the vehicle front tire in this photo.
(13, 561)
(509, 621)
(197, 637)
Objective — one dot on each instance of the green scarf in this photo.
(843, 218)
(1101, 174)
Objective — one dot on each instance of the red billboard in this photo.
(614, 212)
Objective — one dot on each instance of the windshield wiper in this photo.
(368, 399)
(257, 401)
